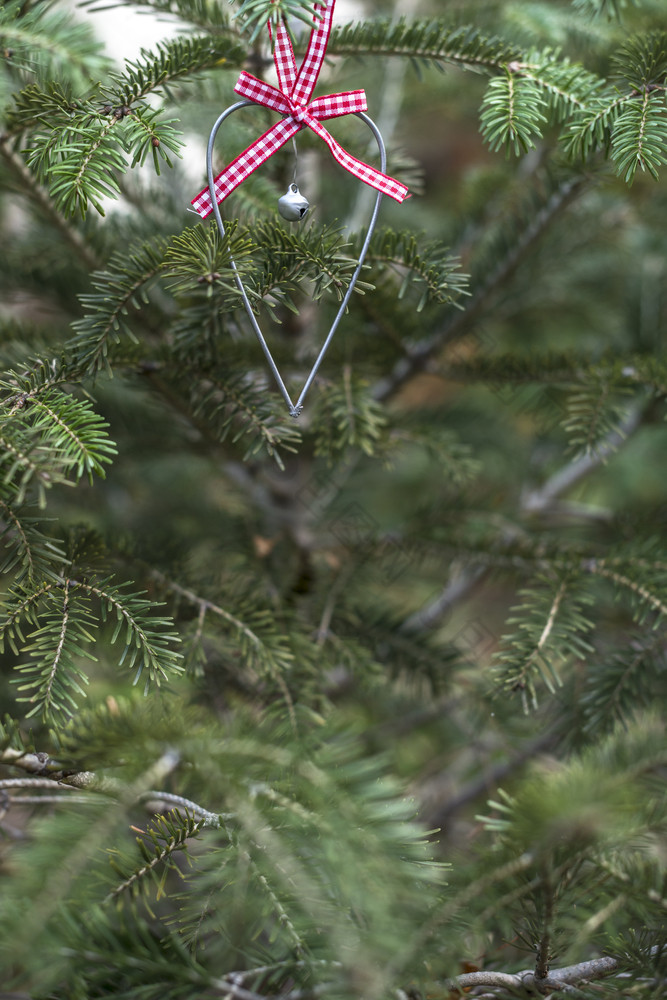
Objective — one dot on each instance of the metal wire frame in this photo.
(294, 408)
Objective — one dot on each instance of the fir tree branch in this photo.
(548, 626)
(423, 42)
(40, 195)
(151, 648)
(262, 646)
(12, 520)
(76, 180)
(430, 268)
(532, 502)
(61, 618)
(549, 629)
(73, 426)
(511, 115)
(590, 127)
(40, 39)
(167, 835)
(43, 375)
(541, 72)
(223, 404)
(116, 290)
(47, 687)
(29, 551)
(646, 596)
(172, 60)
(639, 135)
(83, 154)
(420, 355)
(618, 681)
(60, 878)
(462, 899)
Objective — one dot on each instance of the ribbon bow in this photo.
(292, 100)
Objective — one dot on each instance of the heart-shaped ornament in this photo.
(293, 100)
(299, 208)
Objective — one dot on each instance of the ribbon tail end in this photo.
(202, 209)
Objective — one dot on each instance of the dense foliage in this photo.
(356, 703)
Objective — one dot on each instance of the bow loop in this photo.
(293, 100)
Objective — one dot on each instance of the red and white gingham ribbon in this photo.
(292, 100)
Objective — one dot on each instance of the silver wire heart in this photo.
(294, 408)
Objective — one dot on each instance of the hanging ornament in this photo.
(292, 99)
(293, 206)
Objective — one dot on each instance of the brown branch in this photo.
(544, 948)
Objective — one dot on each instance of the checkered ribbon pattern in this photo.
(292, 99)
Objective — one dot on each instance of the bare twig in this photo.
(39, 763)
(32, 784)
(456, 588)
(537, 501)
(558, 979)
(52, 777)
(158, 800)
(228, 987)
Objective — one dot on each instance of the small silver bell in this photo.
(293, 206)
